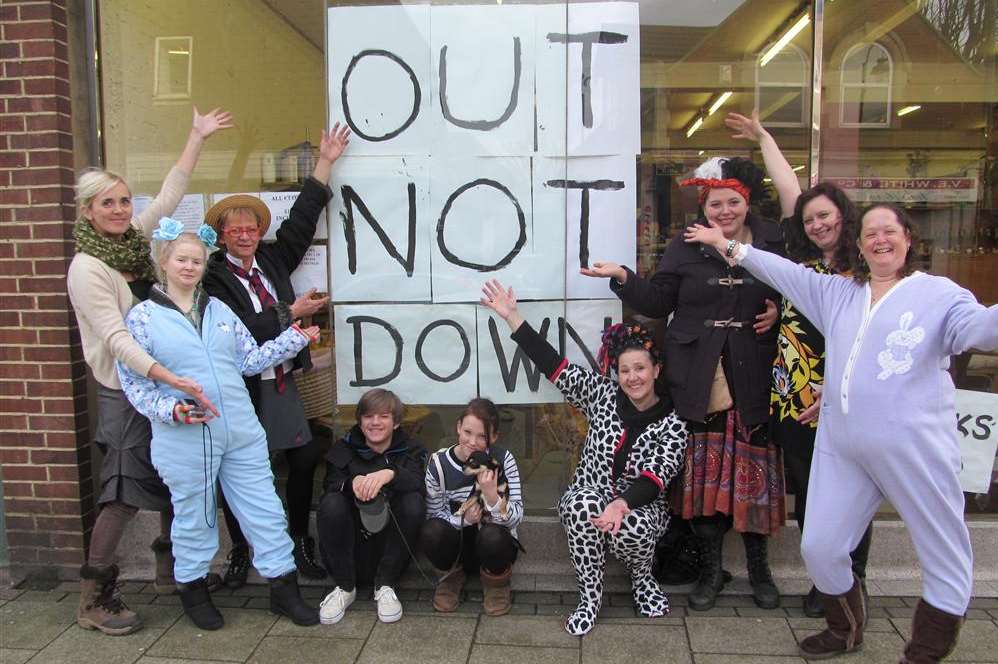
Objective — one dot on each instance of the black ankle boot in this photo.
(285, 600)
(814, 607)
(704, 594)
(304, 553)
(764, 590)
(238, 567)
(196, 600)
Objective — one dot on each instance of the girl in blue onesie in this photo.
(185, 330)
(889, 332)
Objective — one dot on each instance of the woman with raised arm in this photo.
(889, 331)
(819, 225)
(191, 333)
(718, 359)
(110, 273)
(633, 449)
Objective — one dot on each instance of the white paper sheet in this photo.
(424, 353)
(977, 431)
(382, 185)
(608, 186)
(311, 272)
(505, 375)
(489, 231)
(389, 90)
(483, 100)
(603, 117)
(190, 211)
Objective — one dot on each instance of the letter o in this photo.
(480, 267)
(465, 361)
(416, 94)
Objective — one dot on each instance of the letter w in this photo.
(511, 370)
(351, 199)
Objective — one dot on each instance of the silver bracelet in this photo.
(730, 251)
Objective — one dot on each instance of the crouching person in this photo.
(194, 335)
(473, 507)
(373, 507)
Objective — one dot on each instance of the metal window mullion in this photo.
(817, 74)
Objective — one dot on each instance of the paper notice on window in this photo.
(311, 272)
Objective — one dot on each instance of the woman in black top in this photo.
(718, 371)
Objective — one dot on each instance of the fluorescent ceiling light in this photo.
(179, 52)
(700, 153)
(908, 109)
(798, 168)
(719, 103)
(785, 39)
(694, 126)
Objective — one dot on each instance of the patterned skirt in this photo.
(726, 474)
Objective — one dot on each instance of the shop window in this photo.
(782, 88)
(867, 74)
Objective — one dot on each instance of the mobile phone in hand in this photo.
(196, 411)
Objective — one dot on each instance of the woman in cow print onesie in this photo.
(634, 447)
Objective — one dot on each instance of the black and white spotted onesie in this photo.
(628, 454)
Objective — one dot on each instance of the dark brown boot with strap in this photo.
(447, 594)
(497, 598)
(846, 616)
(101, 606)
(933, 635)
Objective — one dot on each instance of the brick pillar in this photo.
(44, 442)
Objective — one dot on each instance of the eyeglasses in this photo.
(248, 231)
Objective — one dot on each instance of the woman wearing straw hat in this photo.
(254, 279)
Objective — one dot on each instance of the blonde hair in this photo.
(91, 183)
(163, 249)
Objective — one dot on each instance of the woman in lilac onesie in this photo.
(889, 332)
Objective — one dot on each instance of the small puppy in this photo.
(474, 466)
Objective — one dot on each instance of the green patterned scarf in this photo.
(128, 252)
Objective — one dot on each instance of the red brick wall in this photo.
(44, 453)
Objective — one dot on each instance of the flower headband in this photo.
(170, 229)
(620, 337)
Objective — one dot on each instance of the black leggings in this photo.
(491, 547)
(301, 471)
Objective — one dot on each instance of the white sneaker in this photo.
(389, 606)
(332, 608)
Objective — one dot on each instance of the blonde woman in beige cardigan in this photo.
(111, 271)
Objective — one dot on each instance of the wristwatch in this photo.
(729, 252)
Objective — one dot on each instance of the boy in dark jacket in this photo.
(373, 470)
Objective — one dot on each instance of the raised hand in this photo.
(499, 299)
(747, 128)
(606, 270)
(207, 124)
(333, 143)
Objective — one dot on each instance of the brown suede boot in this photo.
(164, 583)
(497, 598)
(447, 595)
(933, 634)
(100, 604)
(846, 616)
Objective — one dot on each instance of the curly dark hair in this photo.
(624, 337)
(860, 269)
(799, 246)
(745, 171)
